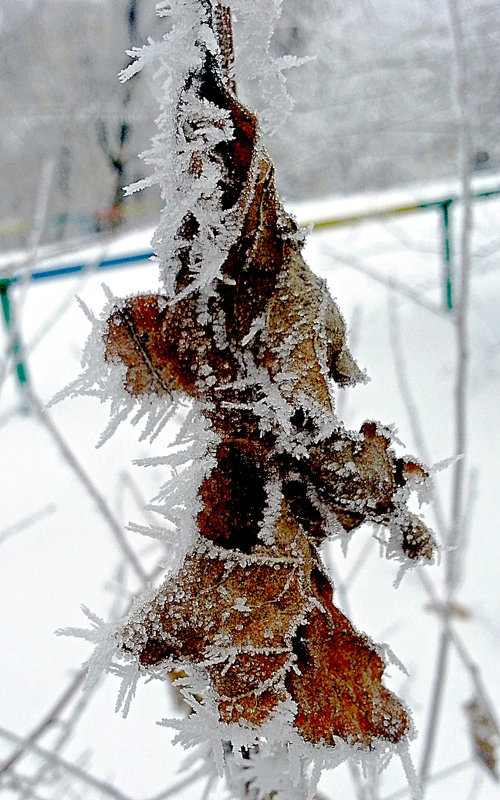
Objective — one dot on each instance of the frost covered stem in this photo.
(455, 532)
(224, 31)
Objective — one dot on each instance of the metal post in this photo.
(16, 341)
(445, 207)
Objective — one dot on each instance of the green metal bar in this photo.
(442, 204)
(22, 375)
(448, 265)
(392, 210)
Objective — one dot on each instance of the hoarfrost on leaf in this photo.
(104, 636)
(246, 343)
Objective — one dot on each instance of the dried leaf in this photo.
(251, 605)
(484, 733)
(263, 626)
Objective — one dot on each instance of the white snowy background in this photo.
(67, 557)
(58, 553)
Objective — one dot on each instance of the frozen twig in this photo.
(57, 761)
(26, 522)
(87, 483)
(21, 784)
(462, 311)
(460, 648)
(440, 675)
(47, 722)
(440, 775)
(461, 377)
(53, 717)
(409, 401)
(127, 482)
(67, 727)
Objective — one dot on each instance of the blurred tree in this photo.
(373, 108)
(61, 98)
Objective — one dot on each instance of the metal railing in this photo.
(443, 204)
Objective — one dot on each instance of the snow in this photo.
(67, 558)
(420, 344)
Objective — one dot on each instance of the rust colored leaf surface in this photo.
(264, 627)
(251, 606)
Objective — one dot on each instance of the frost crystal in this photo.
(248, 342)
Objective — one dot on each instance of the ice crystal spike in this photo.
(245, 329)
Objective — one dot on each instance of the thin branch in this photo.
(461, 380)
(434, 778)
(391, 283)
(457, 551)
(102, 785)
(460, 648)
(87, 483)
(440, 674)
(127, 482)
(67, 725)
(410, 404)
(462, 314)
(474, 673)
(50, 719)
(53, 716)
(22, 784)
(26, 522)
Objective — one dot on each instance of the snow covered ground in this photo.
(57, 553)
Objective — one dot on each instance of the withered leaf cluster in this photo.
(252, 605)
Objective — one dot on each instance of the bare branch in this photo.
(87, 483)
(102, 785)
(442, 774)
(26, 522)
(461, 380)
(47, 722)
(409, 401)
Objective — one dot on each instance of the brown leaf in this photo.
(163, 347)
(485, 734)
(251, 605)
(263, 625)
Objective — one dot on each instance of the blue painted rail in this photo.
(443, 204)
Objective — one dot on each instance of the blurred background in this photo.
(371, 157)
(373, 109)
